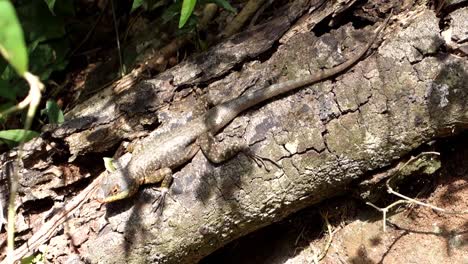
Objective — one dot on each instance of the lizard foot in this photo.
(160, 200)
(259, 160)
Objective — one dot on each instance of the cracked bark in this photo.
(326, 138)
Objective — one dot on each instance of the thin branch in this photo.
(407, 199)
(33, 99)
(330, 236)
(433, 207)
(385, 210)
(116, 29)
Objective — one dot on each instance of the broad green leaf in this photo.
(186, 11)
(225, 4)
(53, 112)
(18, 135)
(136, 4)
(12, 45)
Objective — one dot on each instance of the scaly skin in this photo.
(168, 151)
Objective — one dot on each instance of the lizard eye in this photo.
(115, 189)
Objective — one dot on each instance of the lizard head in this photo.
(115, 186)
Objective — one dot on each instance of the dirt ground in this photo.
(414, 234)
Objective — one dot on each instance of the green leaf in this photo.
(12, 85)
(39, 258)
(109, 164)
(6, 92)
(225, 4)
(12, 45)
(18, 135)
(28, 260)
(189, 28)
(153, 4)
(186, 11)
(64, 8)
(136, 4)
(48, 57)
(39, 24)
(53, 112)
(171, 11)
(47, 46)
(50, 4)
(3, 107)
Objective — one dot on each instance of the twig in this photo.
(2, 217)
(433, 207)
(391, 191)
(21, 105)
(385, 210)
(47, 230)
(88, 35)
(33, 99)
(317, 257)
(116, 29)
(406, 199)
(236, 24)
(330, 236)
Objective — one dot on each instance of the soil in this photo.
(414, 234)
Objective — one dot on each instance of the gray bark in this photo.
(316, 143)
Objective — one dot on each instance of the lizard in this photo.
(168, 151)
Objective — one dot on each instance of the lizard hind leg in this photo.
(218, 152)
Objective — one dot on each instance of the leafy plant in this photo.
(184, 9)
(46, 45)
(15, 136)
(53, 112)
(12, 45)
(33, 259)
(13, 49)
(224, 4)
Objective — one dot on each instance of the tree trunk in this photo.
(315, 143)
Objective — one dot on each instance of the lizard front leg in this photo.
(125, 182)
(164, 176)
(164, 173)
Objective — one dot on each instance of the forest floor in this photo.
(414, 234)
